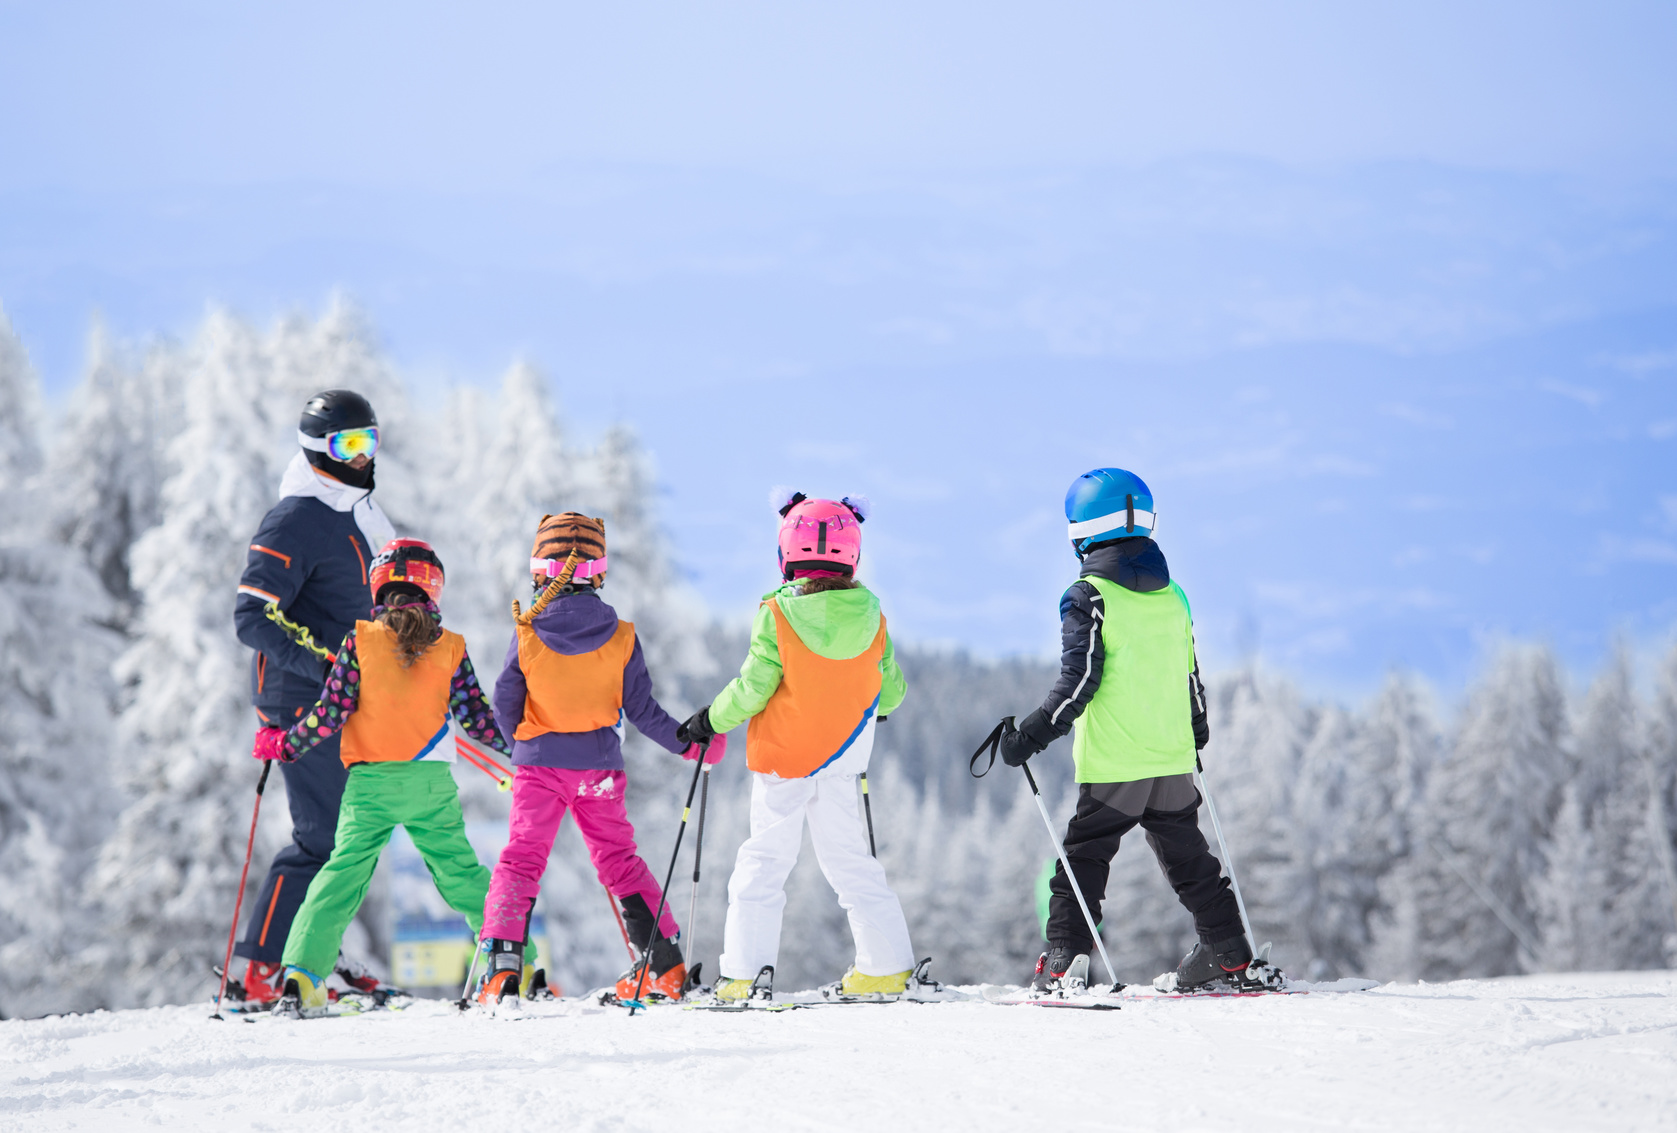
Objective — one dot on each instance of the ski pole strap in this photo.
(991, 743)
(297, 633)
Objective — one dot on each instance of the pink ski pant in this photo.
(540, 797)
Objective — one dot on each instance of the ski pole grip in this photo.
(261, 782)
(1029, 778)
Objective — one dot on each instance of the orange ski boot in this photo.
(506, 972)
(669, 985)
(666, 979)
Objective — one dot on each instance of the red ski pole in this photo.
(238, 902)
(484, 762)
(621, 927)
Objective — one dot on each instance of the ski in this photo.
(1077, 1000)
(1231, 991)
(1070, 989)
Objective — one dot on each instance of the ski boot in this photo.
(362, 981)
(858, 987)
(736, 992)
(261, 988)
(535, 985)
(1052, 969)
(1227, 965)
(304, 995)
(665, 977)
(499, 989)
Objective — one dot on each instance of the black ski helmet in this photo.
(328, 412)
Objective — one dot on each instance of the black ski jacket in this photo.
(312, 560)
(1135, 564)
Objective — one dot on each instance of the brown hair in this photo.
(817, 585)
(579, 538)
(407, 618)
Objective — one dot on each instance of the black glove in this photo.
(697, 728)
(1032, 735)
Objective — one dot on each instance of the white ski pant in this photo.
(757, 889)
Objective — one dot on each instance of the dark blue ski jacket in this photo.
(312, 560)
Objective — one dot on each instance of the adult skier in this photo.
(1129, 679)
(308, 562)
(821, 670)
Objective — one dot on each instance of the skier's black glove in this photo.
(696, 729)
(1032, 735)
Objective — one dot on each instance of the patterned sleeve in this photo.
(471, 708)
(337, 703)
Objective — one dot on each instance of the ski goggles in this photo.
(553, 568)
(344, 445)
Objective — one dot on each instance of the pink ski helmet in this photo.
(820, 538)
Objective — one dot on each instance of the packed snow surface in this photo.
(1538, 1052)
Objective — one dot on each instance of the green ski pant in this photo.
(378, 798)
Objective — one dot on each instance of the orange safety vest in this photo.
(579, 692)
(400, 714)
(820, 708)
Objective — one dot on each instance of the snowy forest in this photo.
(1527, 827)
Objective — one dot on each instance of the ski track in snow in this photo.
(1573, 1052)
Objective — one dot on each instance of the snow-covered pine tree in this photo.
(1612, 781)
(1490, 807)
(1259, 728)
(1359, 784)
(507, 465)
(167, 872)
(1399, 745)
(55, 704)
(645, 585)
(1327, 885)
(1571, 898)
(1662, 775)
(106, 474)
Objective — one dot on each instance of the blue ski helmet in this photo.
(1107, 503)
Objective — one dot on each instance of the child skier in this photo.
(572, 675)
(1130, 680)
(392, 688)
(821, 670)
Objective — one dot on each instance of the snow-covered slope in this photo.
(1537, 1052)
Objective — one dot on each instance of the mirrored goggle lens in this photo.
(347, 444)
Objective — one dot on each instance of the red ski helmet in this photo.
(407, 560)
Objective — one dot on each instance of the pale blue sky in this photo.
(1382, 298)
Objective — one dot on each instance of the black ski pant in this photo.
(314, 786)
(1167, 809)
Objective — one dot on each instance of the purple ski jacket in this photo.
(581, 623)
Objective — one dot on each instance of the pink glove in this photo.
(713, 754)
(270, 744)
